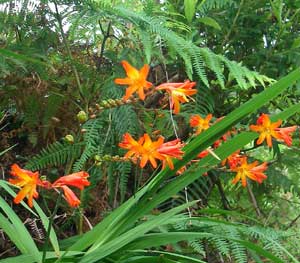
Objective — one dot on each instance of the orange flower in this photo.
(27, 181)
(251, 170)
(178, 92)
(285, 134)
(78, 180)
(267, 129)
(70, 196)
(136, 80)
(201, 124)
(232, 160)
(143, 149)
(134, 147)
(171, 150)
(203, 154)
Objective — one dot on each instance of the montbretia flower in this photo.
(171, 150)
(286, 134)
(269, 130)
(136, 80)
(233, 160)
(78, 180)
(27, 181)
(144, 149)
(199, 123)
(251, 170)
(147, 150)
(203, 154)
(178, 92)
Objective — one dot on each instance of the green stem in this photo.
(80, 223)
(51, 219)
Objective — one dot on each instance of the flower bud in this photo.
(97, 158)
(112, 102)
(82, 116)
(69, 138)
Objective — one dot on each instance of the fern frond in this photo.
(124, 171)
(55, 154)
(195, 58)
(91, 140)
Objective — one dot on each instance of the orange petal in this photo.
(144, 71)
(70, 196)
(131, 72)
(141, 93)
(125, 81)
(129, 91)
(22, 194)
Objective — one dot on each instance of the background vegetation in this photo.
(60, 57)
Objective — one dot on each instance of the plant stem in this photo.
(80, 223)
(51, 219)
(253, 200)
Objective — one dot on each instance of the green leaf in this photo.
(15, 229)
(11, 54)
(98, 252)
(296, 43)
(174, 237)
(174, 256)
(189, 9)
(45, 222)
(209, 22)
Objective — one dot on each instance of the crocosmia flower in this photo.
(233, 160)
(251, 170)
(178, 92)
(27, 181)
(147, 150)
(144, 149)
(269, 130)
(171, 150)
(286, 134)
(136, 80)
(78, 180)
(199, 123)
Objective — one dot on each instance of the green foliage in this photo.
(58, 58)
(55, 154)
(91, 140)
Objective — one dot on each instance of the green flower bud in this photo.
(97, 158)
(82, 116)
(69, 138)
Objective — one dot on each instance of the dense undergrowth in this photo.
(152, 131)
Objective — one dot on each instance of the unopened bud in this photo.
(112, 102)
(69, 138)
(82, 116)
(105, 104)
(98, 163)
(97, 158)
